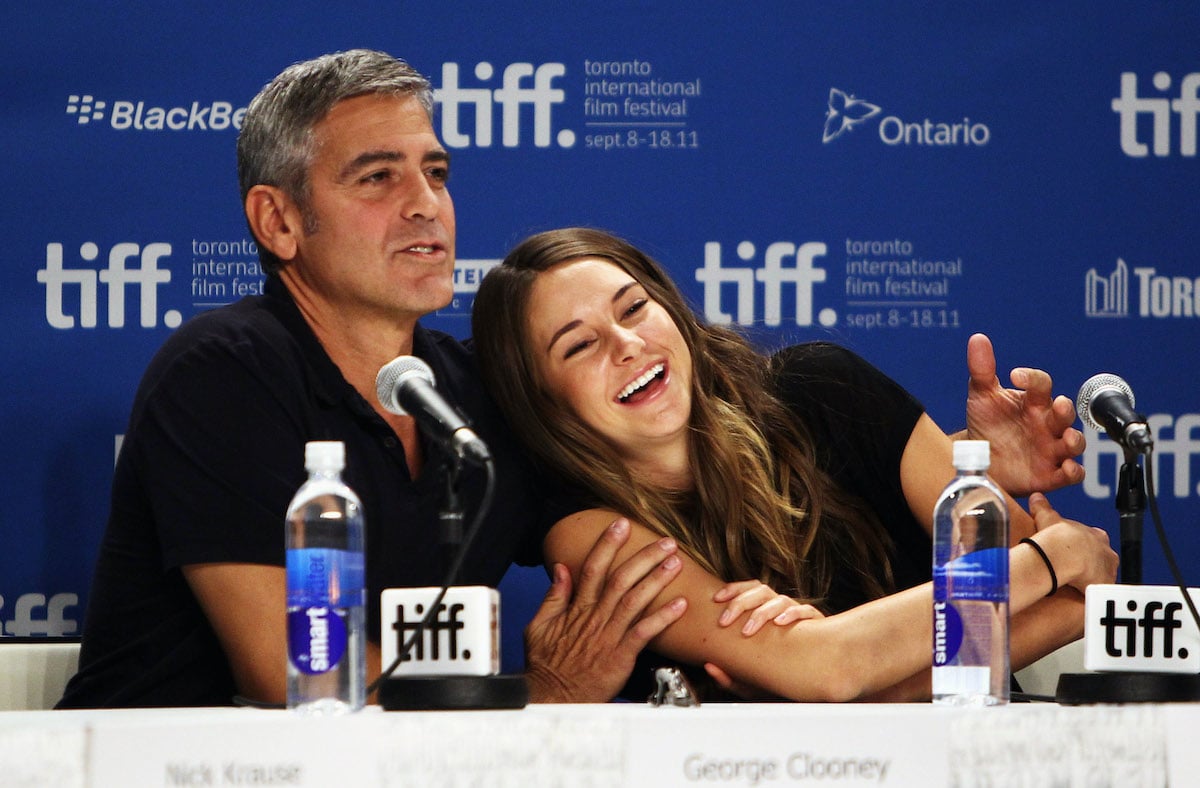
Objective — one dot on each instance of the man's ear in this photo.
(274, 219)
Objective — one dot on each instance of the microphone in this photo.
(406, 386)
(1105, 402)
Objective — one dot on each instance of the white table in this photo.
(609, 744)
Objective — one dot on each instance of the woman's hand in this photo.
(764, 605)
(1080, 553)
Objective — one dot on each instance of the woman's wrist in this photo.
(1046, 560)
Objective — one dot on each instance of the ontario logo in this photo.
(1156, 295)
(845, 112)
(145, 116)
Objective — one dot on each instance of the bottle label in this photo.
(318, 576)
(322, 584)
(979, 576)
(316, 639)
(947, 633)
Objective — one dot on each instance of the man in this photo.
(344, 187)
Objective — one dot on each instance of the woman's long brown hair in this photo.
(760, 506)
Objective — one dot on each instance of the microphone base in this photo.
(454, 693)
(1080, 689)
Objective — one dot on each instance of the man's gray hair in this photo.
(275, 145)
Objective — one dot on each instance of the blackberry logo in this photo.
(85, 108)
(123, 115)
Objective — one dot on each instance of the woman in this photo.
(809, 471)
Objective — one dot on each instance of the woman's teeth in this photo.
(641, 381)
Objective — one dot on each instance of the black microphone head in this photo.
(393, 374)
(1095, 386)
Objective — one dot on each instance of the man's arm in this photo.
(238, 600)
(245, 604)
(1033, 443)
(581, 645)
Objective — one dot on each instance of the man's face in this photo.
(379, 240)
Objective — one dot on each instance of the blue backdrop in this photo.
(893, 176)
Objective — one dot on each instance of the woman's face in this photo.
(613, 355)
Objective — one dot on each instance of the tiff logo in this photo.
(1120, 632)
(511, 96)
(86, 108)
(1173, 438)
(803, 275)
(25, 623)
(147, 277)
(450, 624)
(1130, 106)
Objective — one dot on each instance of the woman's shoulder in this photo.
(571, 538)
(821, 362)
(824, 377)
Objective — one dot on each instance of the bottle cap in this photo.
(972, 455)
(324, 456)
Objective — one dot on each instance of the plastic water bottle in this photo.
(325, 589)
(970, 585)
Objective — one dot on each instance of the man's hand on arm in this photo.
(1033, 443)
(581, 645)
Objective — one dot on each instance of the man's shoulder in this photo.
(247, 317)
(244, 333)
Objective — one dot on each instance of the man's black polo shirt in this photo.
(214, 452)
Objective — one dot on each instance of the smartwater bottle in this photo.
(326, 624)
(970, 585)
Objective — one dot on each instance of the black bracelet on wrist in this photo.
(1046, 559)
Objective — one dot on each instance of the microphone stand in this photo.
(1133, 686)
(458, 692)
(450, 517)
(1131, 503)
